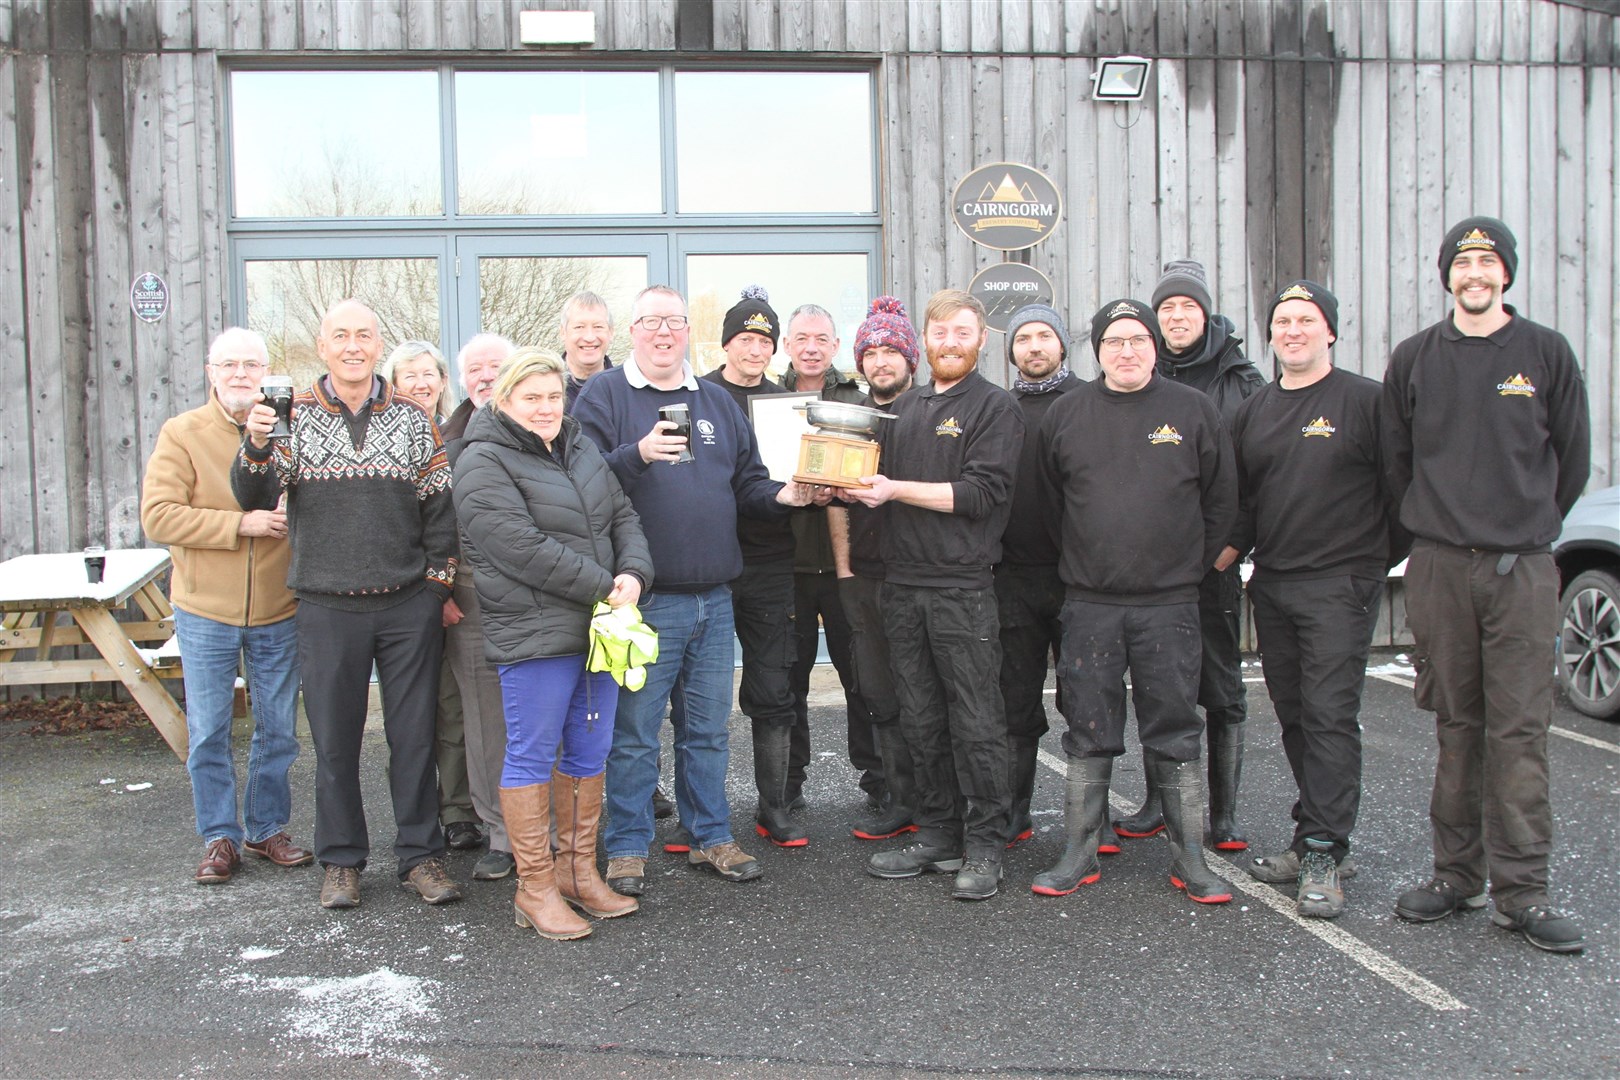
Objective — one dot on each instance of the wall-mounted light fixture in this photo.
(1120, 78)
(557, 27)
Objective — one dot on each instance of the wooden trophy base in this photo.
(834, 461)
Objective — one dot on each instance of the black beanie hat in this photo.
(1480, 233)
(751, 315)
(1305, 289)
(1115, 310)
(1183, 277)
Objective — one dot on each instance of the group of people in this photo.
(1098, 524)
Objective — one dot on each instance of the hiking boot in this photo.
(493, 865)
(1283, 869)
(679, 841)
(431, 883)
(1544, 927)
(914, 859)
(627, 875)
(463, 836)
(886, 824)
(978, 879)
(728, 860)
(341, 888)
(662, 805)
(1320, 894)
(1436, 900)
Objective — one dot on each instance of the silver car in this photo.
(1588, 557)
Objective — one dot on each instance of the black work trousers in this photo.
(1483, 640)
(1029, 605)
(1159, 646)
(817, 604)
(945, 653)
(335, 652)
(1314, 639)
(1220, 624)
(762, 604)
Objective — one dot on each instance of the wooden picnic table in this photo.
(36, 589)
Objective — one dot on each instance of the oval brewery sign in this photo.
(1006, 206)
(1003, 288)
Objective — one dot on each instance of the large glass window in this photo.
(835, 281)
(322, 144)
(523, 297)
(558, 142)
(791, 142)
(286, 299)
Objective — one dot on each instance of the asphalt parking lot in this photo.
(115, 964)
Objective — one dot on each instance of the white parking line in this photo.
(1402, 978)
(1562, 732)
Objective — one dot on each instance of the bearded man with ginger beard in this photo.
(949, 464)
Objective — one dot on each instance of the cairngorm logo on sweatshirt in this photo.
(1164, 433)
(949, 427)
(1518, 386)
(1320, 426)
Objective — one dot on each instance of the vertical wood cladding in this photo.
(1327, 138)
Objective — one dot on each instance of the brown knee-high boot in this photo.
(577, 805)
(527, 811)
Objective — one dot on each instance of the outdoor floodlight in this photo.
(1120, 78)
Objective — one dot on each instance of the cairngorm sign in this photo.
(1006, 206)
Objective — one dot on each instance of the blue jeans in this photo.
(210, 651)
(695, 633)
(558, 715)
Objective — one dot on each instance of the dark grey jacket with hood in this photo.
(1217, 367)
(544, 534)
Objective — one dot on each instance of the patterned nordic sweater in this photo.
(370, 525)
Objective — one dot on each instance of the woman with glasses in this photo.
(417, 370)
(548, 533)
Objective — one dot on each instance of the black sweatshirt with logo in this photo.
(1310, 480)
(968, 436)
(1143, 491)
(1487, 439)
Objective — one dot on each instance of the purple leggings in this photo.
(554, 700)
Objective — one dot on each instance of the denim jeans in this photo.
(210, 652)
(695, 633)
(558, 715)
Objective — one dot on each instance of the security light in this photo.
(1120, 78)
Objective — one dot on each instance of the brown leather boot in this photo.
(577, 804)
(527, 811)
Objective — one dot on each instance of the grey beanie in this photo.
(1184, 277)
(1041, 313)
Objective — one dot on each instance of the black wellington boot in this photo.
(1181, 790)
(1149, 820)
(1021, 764)
(772, 745)
(1225, 770)
(895, 818)
(1085, 812)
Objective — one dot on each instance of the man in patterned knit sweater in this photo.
(373, 539)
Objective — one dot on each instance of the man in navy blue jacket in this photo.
(689, 512)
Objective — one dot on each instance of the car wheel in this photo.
(1589, 644)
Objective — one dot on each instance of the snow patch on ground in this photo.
(259, 952)
(375, 1014)
(1401, 665)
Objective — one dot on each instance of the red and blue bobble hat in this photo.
(886, 324)
(752, 314)
(1479, 234)
(1114, 310)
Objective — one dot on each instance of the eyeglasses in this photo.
(246, 367)
(1138, 343)
(654, 323)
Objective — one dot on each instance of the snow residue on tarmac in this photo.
(1400, 665)
(358, 1015)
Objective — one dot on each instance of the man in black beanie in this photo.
(1142, 494)
(1316, 515)
(1029, 594)
(1487, 441)
(1202, 350)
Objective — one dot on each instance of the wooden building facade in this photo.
(1332, 139)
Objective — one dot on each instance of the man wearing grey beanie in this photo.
(1203, 351)
(1029, 593)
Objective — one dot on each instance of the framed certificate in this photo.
(778, 426)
